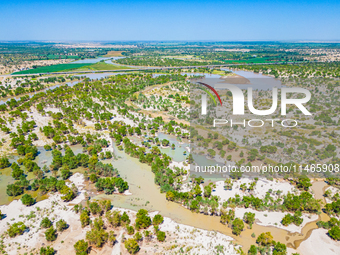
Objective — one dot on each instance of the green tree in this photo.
(237, 226)
(4, 162)
(160, 236)
(334, 233)
(97, 236)
(252, 250)
(279, 249)
(142, 219)
(14, 190)
(61, 225)
(65, 173)
(112, 237)
(27, 200)
(265, 239)
(84, 218)
(157, 220)
(138, 236)
(132, 246)
(51, 234)
(207, 191)
(81, 247)
(170, 196)
(47, 250)
(130, 230)
(125, 218)
(16, 229)
(249, 218)
(45, 223)
(114, 218)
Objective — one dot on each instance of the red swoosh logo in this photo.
(212, 89)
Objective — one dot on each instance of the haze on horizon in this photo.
(170, 20)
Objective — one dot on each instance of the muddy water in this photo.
(147, 195)
(319, 189)
(44, 158)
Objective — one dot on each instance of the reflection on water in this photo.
(257, 81)
(97, 76)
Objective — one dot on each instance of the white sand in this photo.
(260, 190)
(201, 241)
(319, 244)
(274, 219)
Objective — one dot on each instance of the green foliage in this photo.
(296, 219)
(53, 68)
(27, 200)
(97, 236)
(142, 219)
(84, 218)
(303, 183)
(51, 234)
(265, 239)
(17, 172)
(114, 218)
(93, 178)
(16, 229)
(47, 250)
(132, 246)
(157, 220)
(334, 233)
(61, 225)
(108, 184)
(65, 173)
(237, 226)
(138, 236)
(227, 217)
(252, 250)
(95, 208)
(160, 236)
(130, 230)
(125, 218)
(249, 218)
(81, 247)
(333, 207)
(4, 162)
(304, 202)
(46, 223)
(279, 249)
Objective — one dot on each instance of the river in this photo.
(145, 194)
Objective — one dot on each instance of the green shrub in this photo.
(27, 200)
(46, 223)
(16, 229)
(51, 234)
(81, 247)
(132, 246)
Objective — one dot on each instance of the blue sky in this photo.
(169, 20)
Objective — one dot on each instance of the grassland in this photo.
(101, 66)
(53, 68)
(114, 53)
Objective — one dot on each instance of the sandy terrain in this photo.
(178, 236)
(318, 244)
(28, 64)
(235, 79)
